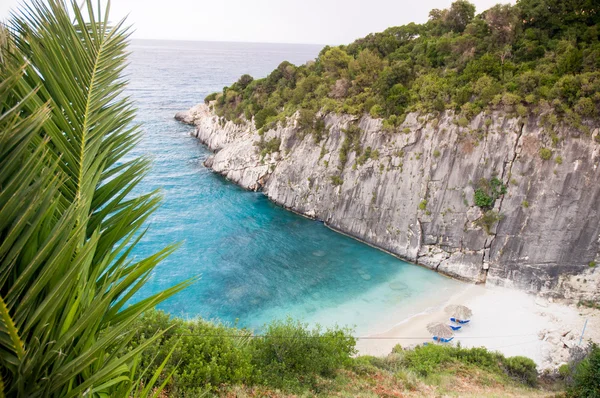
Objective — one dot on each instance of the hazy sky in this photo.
(306, 21)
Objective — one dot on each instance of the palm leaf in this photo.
(68, 216)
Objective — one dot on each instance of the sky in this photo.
(330, 22)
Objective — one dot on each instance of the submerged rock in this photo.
(398, 286)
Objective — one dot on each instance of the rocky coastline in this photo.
(413, 195)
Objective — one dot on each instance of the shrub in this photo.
(336, 180)
(522, 369)
(291, 355)
(482, 199)
(365, 156)
(488, 220)
(463, 122)
(545, 154)
(267, 147)
(423, 205)
(244, 81)
(428, 359)
(376, 111)
(210, 97)
(592, 264)
(558, 160)
(205, 354)
(586, 376)
(261, 116)
(488, 191)
(351, 142)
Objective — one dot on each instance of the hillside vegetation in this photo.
(538, 56)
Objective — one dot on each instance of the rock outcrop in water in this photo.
(414, 195)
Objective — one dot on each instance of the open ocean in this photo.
(257, 261)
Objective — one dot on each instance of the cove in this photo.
(256, 261)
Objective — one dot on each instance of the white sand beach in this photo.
(506, 320)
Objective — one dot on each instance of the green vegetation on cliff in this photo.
(540, 56)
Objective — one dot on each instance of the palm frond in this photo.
(68, 216)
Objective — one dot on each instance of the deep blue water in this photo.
(256, 260)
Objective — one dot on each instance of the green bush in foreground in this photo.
(586, 376)
(291, 357)
(207, 355)
(431, 359)
(522, 369)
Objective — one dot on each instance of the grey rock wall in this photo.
(549, 231)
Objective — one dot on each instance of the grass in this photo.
(457, 380)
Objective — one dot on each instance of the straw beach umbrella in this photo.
(440, 330)
(459, 311)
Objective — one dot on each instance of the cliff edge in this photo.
(412, 192)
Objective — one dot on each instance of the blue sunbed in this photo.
(455, 328)
(442, 340)
(460, 321)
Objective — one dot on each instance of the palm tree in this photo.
(68, 218)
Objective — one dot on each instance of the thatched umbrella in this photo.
(440, 330)
(459, 311)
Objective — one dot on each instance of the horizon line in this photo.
(234, 41)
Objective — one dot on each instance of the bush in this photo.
(433, 359)
(244, 81)
(482, 199)
(423, 205)
(488, 191)
(336, 181)
(290, 355)
(545, 154)
(488, 220)
(261, 116)
(205, 354)
(267, 147)
(522, 369)
(429, 359)
(586, 376)
(210, 97)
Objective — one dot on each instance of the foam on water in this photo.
(257, 261)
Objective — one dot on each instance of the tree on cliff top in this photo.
(536, 56)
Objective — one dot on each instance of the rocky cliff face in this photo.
(414, 196)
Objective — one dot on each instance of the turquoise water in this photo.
(256, 260)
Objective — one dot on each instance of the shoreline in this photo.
(505, 320)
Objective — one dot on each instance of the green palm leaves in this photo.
(68, 219)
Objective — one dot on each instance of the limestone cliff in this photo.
(414, 195)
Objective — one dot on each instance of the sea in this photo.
(255, 261)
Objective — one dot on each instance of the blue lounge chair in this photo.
(442, 340)
(460, 321)
(455, 328)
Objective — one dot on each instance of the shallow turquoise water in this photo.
(257, 261)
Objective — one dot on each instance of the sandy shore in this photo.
(504, 320)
